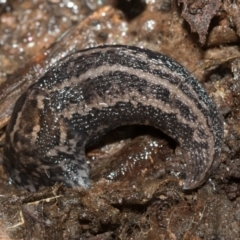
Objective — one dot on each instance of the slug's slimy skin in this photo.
(90, 92)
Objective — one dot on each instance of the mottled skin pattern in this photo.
(93, 91)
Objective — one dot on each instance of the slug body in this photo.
(90, 92)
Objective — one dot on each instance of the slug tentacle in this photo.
(90, 92)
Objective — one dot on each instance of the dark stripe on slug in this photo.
(115, 84)
(126, 113)
(109, 58)
(92, 91)
(185, 111)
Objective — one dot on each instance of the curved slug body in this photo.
(90, 92)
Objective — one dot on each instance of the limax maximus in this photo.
(90, 92)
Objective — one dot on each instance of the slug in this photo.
(92, 91)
